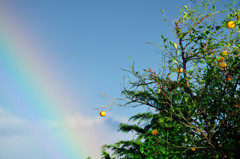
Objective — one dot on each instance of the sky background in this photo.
(57, 56)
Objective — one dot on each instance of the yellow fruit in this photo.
(155, 132)
(103, 113)
(193, 149)
(225, 53)
(223, 65)
(236, 105)
(220, 59)
(231, 24)
(179, 70)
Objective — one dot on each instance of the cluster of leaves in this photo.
(164, 145)
(197, 109)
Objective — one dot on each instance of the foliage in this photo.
(197, 108)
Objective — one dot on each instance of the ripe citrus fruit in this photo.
(228, 78)
(223, 65)
(179, 70)
(231, 24)
(193, 149)
(155, 132)
(225, 53)
(220, 59)
(236, 105)
(103, 113)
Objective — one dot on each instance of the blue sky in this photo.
(89, 41)
(92, 40)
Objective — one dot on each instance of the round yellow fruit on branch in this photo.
(103, 113)
(154, 132)
(223, 65)
(231, 24)
(236, 105)
(193, 149)
(225, 53)
(228, 78)
(179, 70)
(220, 59)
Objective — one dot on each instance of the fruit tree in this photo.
(197, 114)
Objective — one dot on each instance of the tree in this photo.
(197, 114)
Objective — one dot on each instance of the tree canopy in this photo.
(196, 115)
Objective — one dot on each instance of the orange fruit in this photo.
(155, 132)
(231, 24)
(236, 105)
(179, 70)
(223, 65)
(228, 78)
(103, 113)
(225, 53)
(220, 59)
(193, 149)
(238, 17)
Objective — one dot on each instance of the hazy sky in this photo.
(56, 58)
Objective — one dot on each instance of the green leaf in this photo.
(161, 120)
(174, 45)
(141, 149)
(168, 118)
(174, 60)
(162, 36)
(163, 150)
(162, 11)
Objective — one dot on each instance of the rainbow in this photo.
(34, 81)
